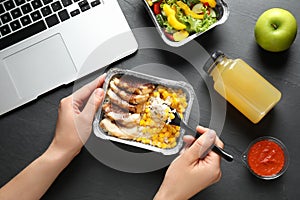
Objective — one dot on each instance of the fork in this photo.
(178, 122)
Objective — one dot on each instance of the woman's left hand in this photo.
(75, 117)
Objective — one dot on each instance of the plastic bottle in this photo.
(242, 86)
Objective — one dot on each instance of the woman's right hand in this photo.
(188, 174)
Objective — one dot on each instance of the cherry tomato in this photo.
(205, 4)
(156, 8)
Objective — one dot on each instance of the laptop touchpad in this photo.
(41, 67)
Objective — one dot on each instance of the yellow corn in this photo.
(147, 110)
(163, 137)
(167, 134)
(164, 129)
(158, 144)
(173, 144)
(164, 145)
(172, 116)
(156, 94)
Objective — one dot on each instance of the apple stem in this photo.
(274, 26)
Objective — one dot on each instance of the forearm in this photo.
(166, 192)
(162, 195)
(36, 178)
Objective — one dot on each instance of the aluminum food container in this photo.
(222, 12)
(186, 88)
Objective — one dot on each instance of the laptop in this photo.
(45, 43)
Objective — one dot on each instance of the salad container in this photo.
(177, 35)
(116, 72)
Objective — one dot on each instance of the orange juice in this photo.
(243, 87)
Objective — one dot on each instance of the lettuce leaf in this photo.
(197, 25)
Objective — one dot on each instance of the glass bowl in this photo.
(266, 157)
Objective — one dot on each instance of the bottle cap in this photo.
(212, 61)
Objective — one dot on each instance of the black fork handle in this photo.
(215, 148)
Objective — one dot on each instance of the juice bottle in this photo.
(242, 86)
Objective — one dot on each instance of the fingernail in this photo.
(209, 138)
(211, 134)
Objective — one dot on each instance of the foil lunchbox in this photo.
(222, 13)
(172, 84)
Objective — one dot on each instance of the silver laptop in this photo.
(45, 43)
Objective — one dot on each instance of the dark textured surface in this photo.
(27, 131)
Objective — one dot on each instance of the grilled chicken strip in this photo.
(120, 116)
(125, 119)
(118, 131)
(109, 107)
(130, 97)
(134, 85)
(114, 98)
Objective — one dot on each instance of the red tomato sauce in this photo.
(266, 158)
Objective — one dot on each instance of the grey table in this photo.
(27, 131)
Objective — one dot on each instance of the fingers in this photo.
(93, 104)
(201, 146)
(188, 140)
(85, 92)
(201, 130)
(219, 143)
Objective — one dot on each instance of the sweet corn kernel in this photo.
(154, 136)
(172, 116)
(173, 144)
(161, 139)
(156, 94)
(148, 115)
(181, 115)
(174, 130)
(158, 144)
(164, 129)
(142, 122)
(172, 140)
(147, 110)
(167, 134)
(147, 141)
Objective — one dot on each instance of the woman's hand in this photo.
(74, 125)
(188, 174)
(75, 117)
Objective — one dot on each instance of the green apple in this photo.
(275, 30)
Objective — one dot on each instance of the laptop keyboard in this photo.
(20, 19)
